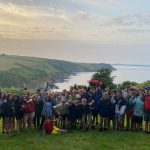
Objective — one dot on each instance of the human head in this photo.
(105, 96)
(141, 95)
(9, 97)
(84, 101)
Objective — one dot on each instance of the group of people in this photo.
(80, 108)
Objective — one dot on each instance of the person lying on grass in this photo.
(50, 128)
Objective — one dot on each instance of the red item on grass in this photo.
(48, 126)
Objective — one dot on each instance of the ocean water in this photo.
(123, 73)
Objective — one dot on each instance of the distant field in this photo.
(9, 62)
(75, 140)
(19, 70)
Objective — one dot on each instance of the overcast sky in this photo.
(110, 31)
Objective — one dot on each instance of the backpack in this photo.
(147, 103)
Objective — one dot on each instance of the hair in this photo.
(106, 96)
(84, 99)
(2, 93)
(8, 96)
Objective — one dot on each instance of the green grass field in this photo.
(15, 71)
(75, 140)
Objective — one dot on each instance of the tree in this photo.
(105, 75)
(127, 84)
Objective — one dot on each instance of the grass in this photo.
(19, 70)
(75, 140)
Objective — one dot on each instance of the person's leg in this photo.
(138, 127)
(18, 124)
(97, 119)
(83, 121)
(101, 123)
(148, 129)
(13, 123)
(30, 120)
(93, 119)
(148, 123)
(117, 121)
(86, 122)
(38, 120)
(108, 123)
(114, 123)
(127, 122)
(131, 122)
(105, 123)
(7, 124)
(3, 125)
(42, 122)
(25, 120)
(146, 119)
(121, 124)
(35, 121)
(134, 123)
(146, 126)
(89, 121)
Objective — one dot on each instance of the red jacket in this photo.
(28, 107)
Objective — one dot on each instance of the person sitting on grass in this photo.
(50, 128)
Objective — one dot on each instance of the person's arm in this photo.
(55, 120)
(57, 106)
(91, 103)
(42, 97)
(33, 96)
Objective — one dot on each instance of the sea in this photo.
(136, 73)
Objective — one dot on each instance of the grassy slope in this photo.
(92, 140)
(15, 70)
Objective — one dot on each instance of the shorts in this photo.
(137, 119)
(118, 116)
(8, 116)
(19, 116)
(55, 130)
(129, 114)
(86, 118)
(147, 116)
(64, 117)
(95, 112)
(28, 116)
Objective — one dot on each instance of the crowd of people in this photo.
(80, 108)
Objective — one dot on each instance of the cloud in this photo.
(134, 30)
(138, 19)
(43, 22)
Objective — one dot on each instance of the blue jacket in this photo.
(47, 110)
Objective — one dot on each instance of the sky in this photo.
(102, 31)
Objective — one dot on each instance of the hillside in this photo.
(22, 71)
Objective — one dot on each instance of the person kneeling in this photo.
(50, 128)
